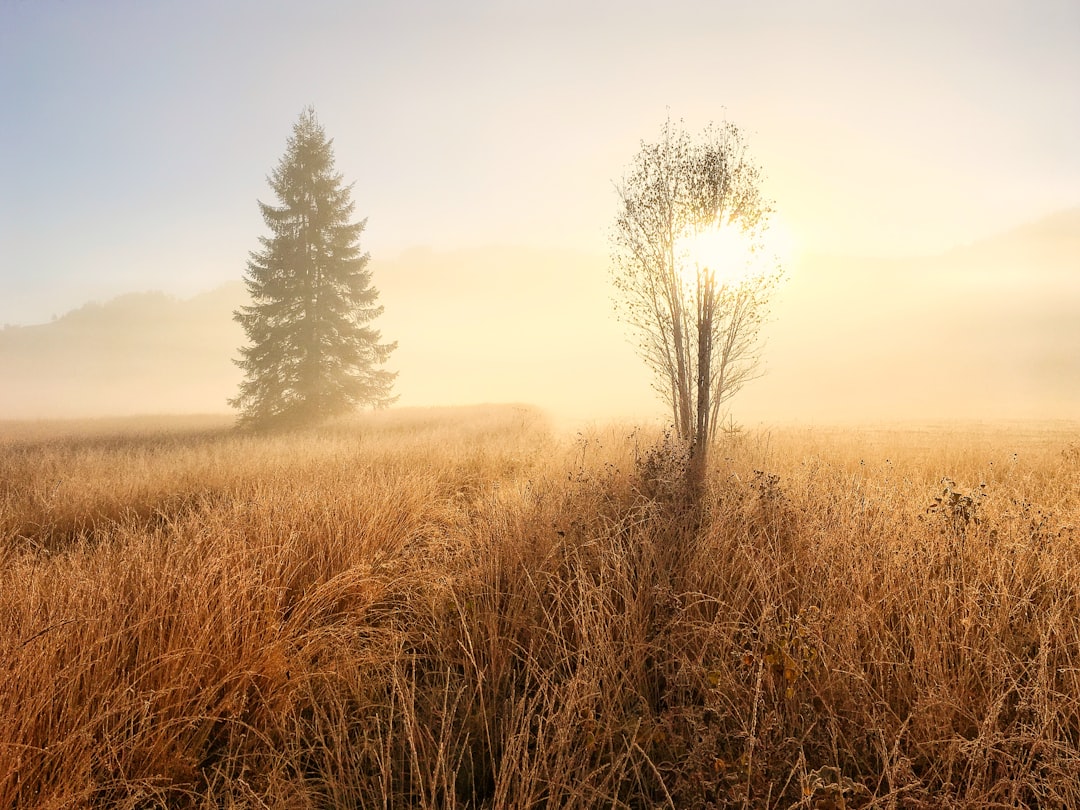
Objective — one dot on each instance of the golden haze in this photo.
(984, 331)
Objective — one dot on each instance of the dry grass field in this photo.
(468, 609)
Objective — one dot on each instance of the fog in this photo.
(922, 155)
(985, 331)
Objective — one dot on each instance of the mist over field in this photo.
(983, 331)
(497, 406)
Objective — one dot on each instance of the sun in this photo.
(731, 253)
(725, 251)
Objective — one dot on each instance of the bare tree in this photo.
(697, 313)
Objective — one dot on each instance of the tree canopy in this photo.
(690, 264)
(312, 351)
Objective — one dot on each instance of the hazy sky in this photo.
(136, 135)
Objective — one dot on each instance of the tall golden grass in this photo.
(463, 609)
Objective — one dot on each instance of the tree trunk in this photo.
(685, 426)
(699, 449)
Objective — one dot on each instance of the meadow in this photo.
(470, 608)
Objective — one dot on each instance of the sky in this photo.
(137, 135)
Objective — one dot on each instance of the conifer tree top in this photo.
(313, 353)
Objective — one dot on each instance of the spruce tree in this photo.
(312, 353)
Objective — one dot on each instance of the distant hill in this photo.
(489, 324)
(987, 330)
(139, 353)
